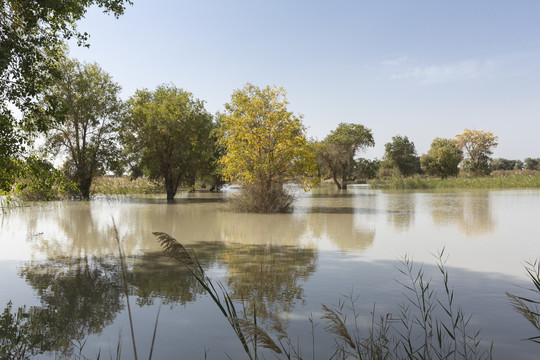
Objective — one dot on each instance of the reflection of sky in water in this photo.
(339, 240)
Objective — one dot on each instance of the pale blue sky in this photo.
(423, 69)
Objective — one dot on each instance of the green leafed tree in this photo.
(86, 132)
(477, 145)
(339, 148)
(442, 159)
(265, 146)
(401, 154)
(167, 134)
(32, 38)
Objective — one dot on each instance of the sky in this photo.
(421, 69)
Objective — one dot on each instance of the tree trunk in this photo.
(336, 181)
(171, 188)
(343, 182)
(84, 187)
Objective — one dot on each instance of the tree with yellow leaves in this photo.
(478, 146)
(265, 146)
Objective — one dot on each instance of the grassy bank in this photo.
(106, 185)
(498, 180)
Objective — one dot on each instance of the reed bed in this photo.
(498, 180)
(106, 185)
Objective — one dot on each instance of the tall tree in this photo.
(401, 153)
(265, 146)
(442, 159)
(169, 131)
(88, 130)
(338, 150)
(32, 38)
(478, 146)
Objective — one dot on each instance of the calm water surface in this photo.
(60, 260)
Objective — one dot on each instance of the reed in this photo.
(498, 180)
(106, 185)
(527, 306)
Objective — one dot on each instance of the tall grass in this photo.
(106, 185)
(498, 180)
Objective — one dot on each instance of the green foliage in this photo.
(532, 164)
(477, 145)
(442, 159)
(265, 145)
(400, 153)
(38, 180)
(167, 134)
(505, 164)
(32, 44)
(338, 150)
(86, 132)
(367, 169)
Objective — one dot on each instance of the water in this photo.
(60, 260)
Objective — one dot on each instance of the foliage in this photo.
(86, 132)
(33, 34)
(477, 145)
(505, 164)
(401, 153)
(367, 169)
(338, 150)
(265, 146)
(167, 134)
(442, 159)
(532, 164)
(38, 180)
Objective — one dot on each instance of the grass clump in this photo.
(106, 185)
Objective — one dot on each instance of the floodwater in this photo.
(60, 259)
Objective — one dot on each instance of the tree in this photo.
(478, 146)
(338, 150)
(532, 164)
(32, 38)
(442, 159)
(167, 134)
(265, 146)
(88, 130)
(401, 154)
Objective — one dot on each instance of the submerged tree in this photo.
(87, 129)
(265, 146)
(478, 146)
(338, 150)
(442, 159)
(167, 134)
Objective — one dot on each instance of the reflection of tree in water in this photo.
(267, 277)
(401, 208)
(471, 212)
(78, 297)
(343, 218)
(154, 275)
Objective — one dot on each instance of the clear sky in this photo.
(422, 69)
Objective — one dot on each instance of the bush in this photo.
(254, 198)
